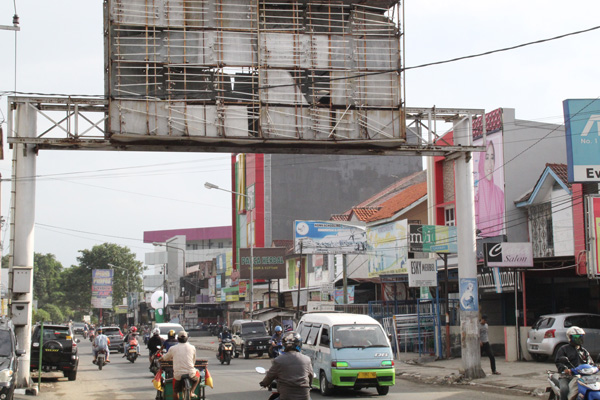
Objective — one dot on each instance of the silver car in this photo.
(549, 333)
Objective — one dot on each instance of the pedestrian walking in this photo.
(484, 342)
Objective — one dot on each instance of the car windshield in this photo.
(255, 328)
(5, 344)
(166, 328)
(356, 335)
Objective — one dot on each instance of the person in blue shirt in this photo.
(170, 342)
(101, 342)
(225, 334)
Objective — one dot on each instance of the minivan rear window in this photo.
(543, 323)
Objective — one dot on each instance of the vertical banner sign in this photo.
(468, 294)
(582, 129)
(102, 280)
(594, 235)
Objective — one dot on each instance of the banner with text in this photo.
(102, 280)
(582, 129)
(269, 263)
(422, 272)
(325, 237)
(508, 254)
(432, 239)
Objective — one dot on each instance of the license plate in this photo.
(534, 347)
(133, 351)
(261, 347)
(367, 375)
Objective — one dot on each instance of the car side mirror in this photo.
(20, 353)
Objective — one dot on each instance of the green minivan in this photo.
(347, 350)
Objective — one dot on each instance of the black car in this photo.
(8, 359)
(250, 337)
(59, 350)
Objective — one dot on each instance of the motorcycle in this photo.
(588, 382)
(275, 350)
(91, 336)
(146, 337)
(274, 395)
(85, 334)
(226, 351)
(155, 364)
(132, 353)
(101, 359)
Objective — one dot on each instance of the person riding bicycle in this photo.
(101, 342)
(292, 370)
(577, 355)
(184, 359)
(154, 343)
(132, 334)
(225, 334)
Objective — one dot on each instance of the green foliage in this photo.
(5, 261)
(40, 315)
(56, 315)
(47, 284)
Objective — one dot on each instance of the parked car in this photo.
(8, 359)
(115, 336)
(78, 328)
(166, 327)
(549, 333)
(59, 350)
(249, 337)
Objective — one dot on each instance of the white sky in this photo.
(60, 51)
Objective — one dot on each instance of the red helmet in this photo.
(134, 329)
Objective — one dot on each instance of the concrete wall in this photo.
(315, 187)
(526, 162)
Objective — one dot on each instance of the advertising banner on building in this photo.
(339, 295)
(388, 248)
(594, 234)
(102, 280)
(582, 129)
(269, 263)
(325, 237)
(422, 272)
(508, 254)
(432, 239)
(221, 263)
(468, 294)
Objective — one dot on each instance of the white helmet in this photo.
(575, 335)
(156, 331)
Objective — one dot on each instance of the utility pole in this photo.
(467, 256)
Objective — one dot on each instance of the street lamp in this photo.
(128, 291)
(166, 244)
(209, 185)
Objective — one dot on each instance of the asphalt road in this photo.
(121, 380)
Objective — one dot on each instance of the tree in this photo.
(47, 285)
(40, 315)
(56, 315)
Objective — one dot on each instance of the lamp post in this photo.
(209, 185)
(128, 291)
(168, 246)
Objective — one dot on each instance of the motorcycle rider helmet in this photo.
(182, 337)
(278, 329)
(225, 329)
(134, 329)
(575, 335)
(156, 332)
(171, 334)
(292, 341)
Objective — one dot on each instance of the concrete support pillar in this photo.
(467, 255)
(23, 221)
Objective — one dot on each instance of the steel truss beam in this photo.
(82, 126)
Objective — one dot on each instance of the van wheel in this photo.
(383, 390)
(324, 387)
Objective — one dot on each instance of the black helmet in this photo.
(292, 341)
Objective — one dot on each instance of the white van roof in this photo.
(338, 318)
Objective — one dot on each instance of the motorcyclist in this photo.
(577, 355)
(170, 342)
(132, 334)
(276, 340)
(101, 342)
(225, 334)
(292, 370)
(184, 359)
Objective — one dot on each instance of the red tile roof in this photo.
(364, 213)
(561, 171)
(400, 201)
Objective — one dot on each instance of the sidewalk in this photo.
(524, 377)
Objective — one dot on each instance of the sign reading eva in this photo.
(516, 255)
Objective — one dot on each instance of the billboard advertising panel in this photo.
(102, 280)
(388, 248)
(582, 129)
(506, 254)
(422, 272)
(488, 175)
(432, 239)
(594, 235)
(269, 263)
(326, 237)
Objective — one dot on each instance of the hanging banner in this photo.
(594, 234)
(388, 248)
(325, 237)
(508, 254)
(102, 280)
(468, 294)
(422, 272)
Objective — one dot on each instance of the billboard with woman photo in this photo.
(488, 170)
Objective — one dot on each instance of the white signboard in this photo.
(507, 254)
(326, 237)
(422, 272)
(320, 306)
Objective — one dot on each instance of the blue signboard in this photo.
(582, 128)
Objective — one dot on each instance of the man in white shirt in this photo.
(101, 342)
(184, 360)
